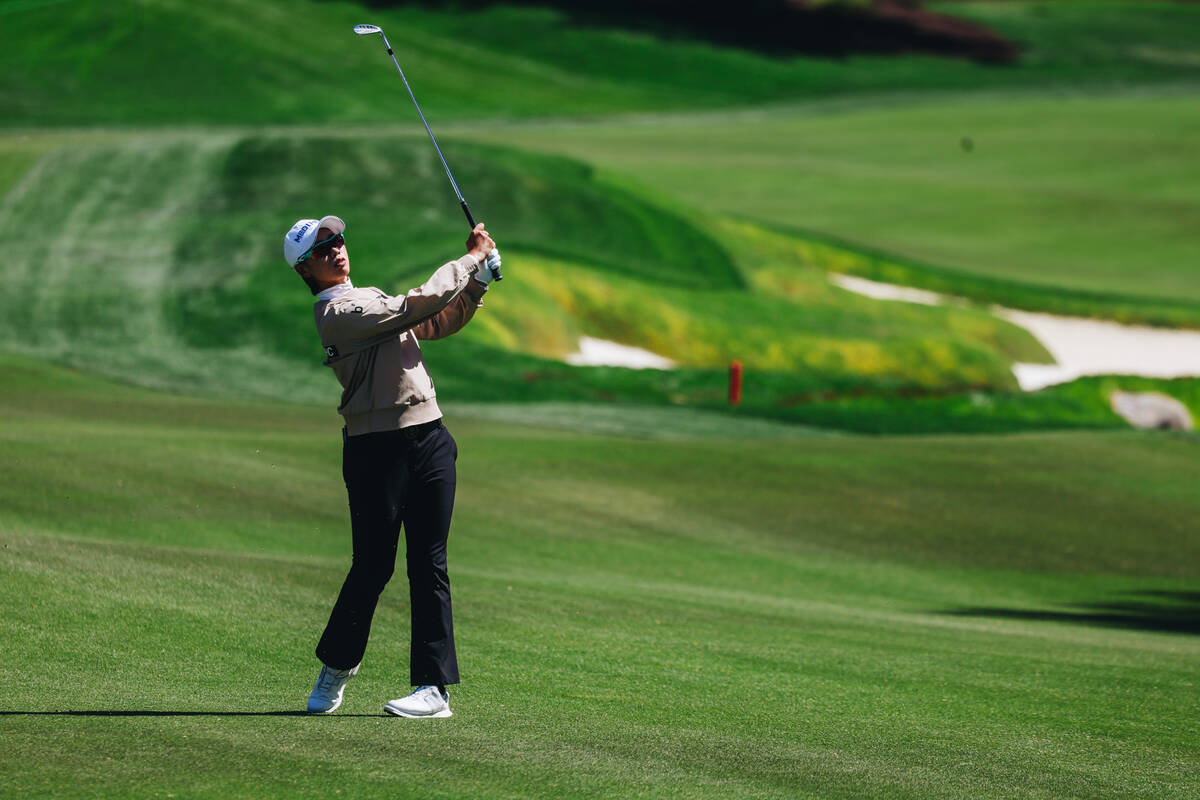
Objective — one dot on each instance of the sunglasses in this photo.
(323, 248)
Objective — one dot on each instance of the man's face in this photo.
(329, 264)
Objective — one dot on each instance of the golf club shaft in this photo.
(461, 201)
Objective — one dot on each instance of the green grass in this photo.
(831, 254)
(163, 270)
(160, 273)
(146, 253)
(683, 616)
(1085, 194)
(1077, 183)
(248, 61)
(1115, 43)
(1084, 403)
(651, 600)
(810, 328)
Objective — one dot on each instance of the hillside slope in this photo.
(147, 253)
(155, 257)
(1090, 194)
(270, 61)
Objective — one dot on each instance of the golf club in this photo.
(367, 30)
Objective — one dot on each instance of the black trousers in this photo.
(402, 478)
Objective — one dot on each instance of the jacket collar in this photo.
(335, 291)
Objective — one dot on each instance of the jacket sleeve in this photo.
(453, 317)
(359, 319)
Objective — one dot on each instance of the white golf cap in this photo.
(303, 236)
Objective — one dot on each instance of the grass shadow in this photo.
(1160, 611)
(781, 28)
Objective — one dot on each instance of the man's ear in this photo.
(302, 270)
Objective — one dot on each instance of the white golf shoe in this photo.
(426, 701)
(327, 693)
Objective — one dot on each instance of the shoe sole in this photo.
(336, 706)
(326, 711)
(395, 712)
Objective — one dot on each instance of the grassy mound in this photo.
(913, 616)
(146, 254)
(164, 271)
(1084, 403)
(162, 274)
(1023, 197)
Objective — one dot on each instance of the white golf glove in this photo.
(485, 273)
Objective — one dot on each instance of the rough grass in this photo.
(250, 61)
(1083, 403)
(163, 270)
(118, 276)
(1092, 195)
(1080, 205)
(820, 333)
(681, 617)
(836, 255)
(124, 282)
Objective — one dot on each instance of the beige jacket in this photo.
(370, 341)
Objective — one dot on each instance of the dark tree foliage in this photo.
(780, 27)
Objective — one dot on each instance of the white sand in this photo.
(1079, 346)
(1091, 347)
(603, 353)
(888, 291)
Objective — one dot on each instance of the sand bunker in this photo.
(603, 353)
(1079, 346)
(1152, 410)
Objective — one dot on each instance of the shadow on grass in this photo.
(114, 713)
(1152, 610)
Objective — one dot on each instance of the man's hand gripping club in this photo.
(481, 246)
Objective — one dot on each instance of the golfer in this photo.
(397, 456)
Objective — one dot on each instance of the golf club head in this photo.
(364, 30)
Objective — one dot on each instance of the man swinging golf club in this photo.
(397, 456)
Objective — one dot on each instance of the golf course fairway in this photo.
(1079, 192)
(709, 614)
(888, 573)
